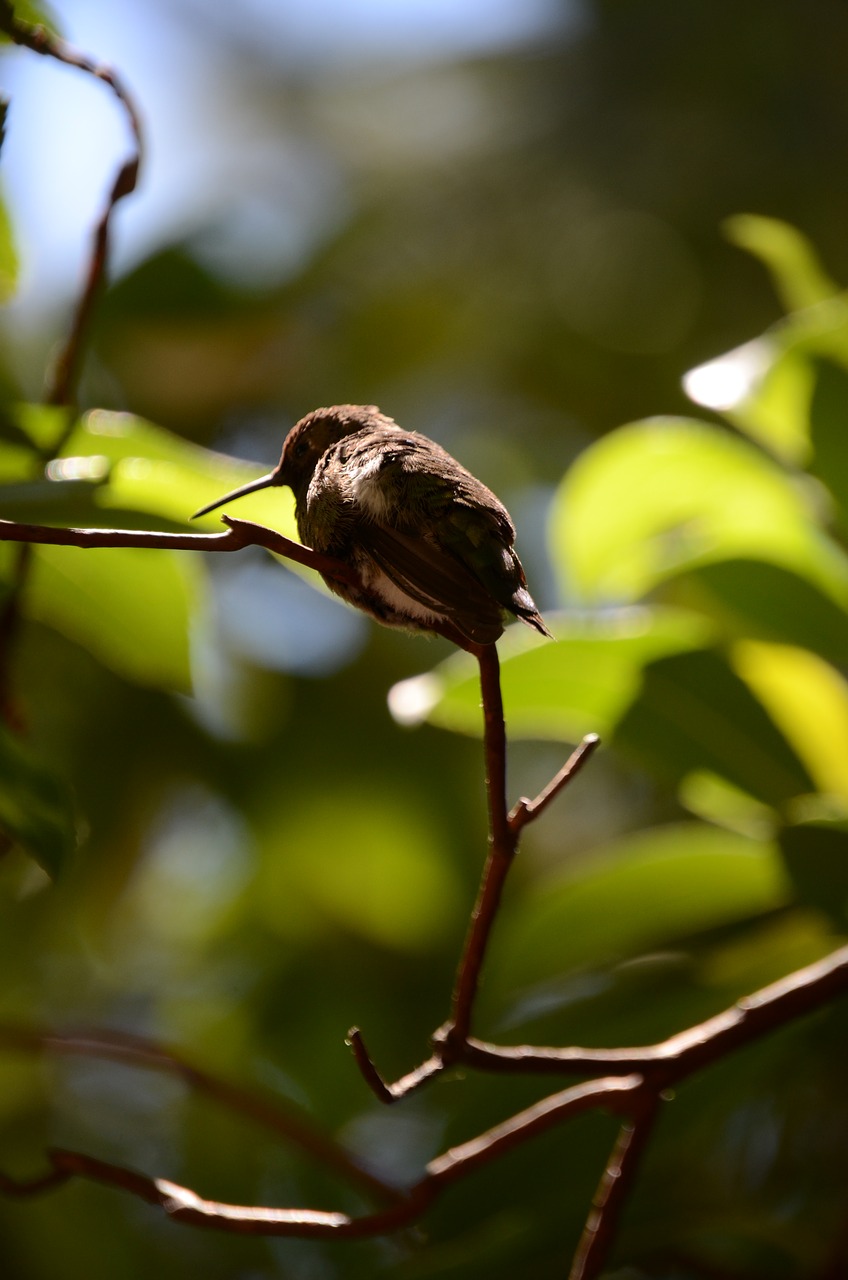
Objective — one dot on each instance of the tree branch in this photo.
(672, 1060)
(282, 1118)
(184, 1205)
(62, 387)
(502, 846)
(635, 1094)
(613, 1189)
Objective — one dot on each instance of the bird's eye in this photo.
(300, 448)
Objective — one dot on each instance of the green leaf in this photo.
(9, 263)
(18, 463)
(694, 713)
(582, 683)
(42, 425)
(717, 801)
(808, 699)
(816, 857)
(659, 497)
(64, 502)
(34, 12)
(765, 601)
(642, 892)
(829, 438)
(35, 808)
(155, 472)
(375, 869)
(130, 607)
(797, 274)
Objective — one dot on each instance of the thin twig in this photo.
(388, 1093)
(62, 387)
(364, 1061)
(241, 533)
(613, 1189)
(672, 1060)
(451, 1041)
(528, 810)
(184, 1205)
(281, 1118)
(502, 846)
(658, 1066)
(668, 1061)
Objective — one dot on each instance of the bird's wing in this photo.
(434, 578)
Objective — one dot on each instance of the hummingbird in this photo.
(428, 542)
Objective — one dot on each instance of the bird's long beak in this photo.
(262, 483)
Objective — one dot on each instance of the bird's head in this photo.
(307, 442)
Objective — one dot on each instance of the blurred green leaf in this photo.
(808, 699)
(765, 386)
(36, 13)
(42, 425)
(717, 801)
(694, 713)
(816, 857)
(55, 502)
(36, 810)
(797, 273)
(775, 412)
(645, 891)
(373, 869)
(155, 472)
(828, 434)
(582, 683)
(658, 497)
(17, 463)
(9, 263)
(131, 608)
(766, 601)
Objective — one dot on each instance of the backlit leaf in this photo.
(662, 496)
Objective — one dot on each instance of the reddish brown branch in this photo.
(613, 1093)
(184, 1205)
(672, 1060)
(613, 1189)
(61, 387)
(528, 810)
(502, 846)
(634, 1094)
(451, 1042)
(66, 372)
(430, 1067)
(241, 533)
(272, 1115)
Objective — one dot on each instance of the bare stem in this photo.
(502, 846)
(284, 1119)
(528, 810)
(613, 1190)
(241, 533)
(184, 1205)
(62, 386)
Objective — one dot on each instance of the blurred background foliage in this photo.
(515, 226)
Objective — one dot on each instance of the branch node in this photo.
(528, 810)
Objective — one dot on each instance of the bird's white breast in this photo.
(365, 487)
